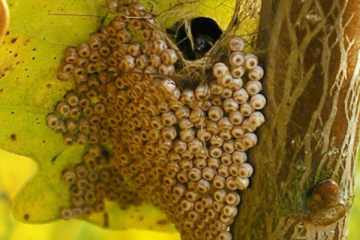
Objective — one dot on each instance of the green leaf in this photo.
(30, 54)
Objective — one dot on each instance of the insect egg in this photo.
(237, 59)
(220, 70)
(236, 44)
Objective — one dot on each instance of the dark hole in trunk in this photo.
(205, 32)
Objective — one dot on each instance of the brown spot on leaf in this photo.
(106, 220)
(13, 137)
(162, 222)
(26, 217)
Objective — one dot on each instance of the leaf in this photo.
(30, 53)
(28, 91)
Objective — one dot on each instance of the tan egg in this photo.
(231, 183)
(197, 116)
(236, 118)
(236, 84)
(136, 24)
(237, 59)
(220, 195)
(238, 72)
(142, 61)
(258, 101)
(237, 132)
(179, 190)
(246, 109)
(180, 146)
(199, 206)
(227, 93)
(250, 140)
(215, 113)
(203, 186)
(187, 156)
(63, 108)
(147, 34)
(220, 70)
(230, 105)
(195, 146)
(192, 196)
(214, 163)
(236, 44)
(226, 134)
(216, 141)
(134, 50)
(187, 135)
(69, 177)
(216, 102)
(95, 41)
(219, 182)
(241, 96)
(194, 174)
(225, 235)
(182, 177)
(243, 183)
(72, 126)
(251, 61)
(225, 124)
(226, 159)
(232, 199)
(218, 206)
(208, 173)
(159, 46)
(186, 205)
(188, 97)
(167, 70)
(200, 162)
(225, 80)
(253, 87)
(53, 121)
(256, 74)
(168, 181)
(215, 152)
(68, 68)
(168, 119)
(169, 57)
(123, 36)
(230, 211)
(71, 55)
(202, 91)
(212, 127)
(163, 107)
(239, 157)
(216, 89)
(229, 147)
(155, 60)
(66, 214)
(127, 63)
(223, 170)
(169, 133)
(245, 170)
(193, 216)
(84, 50)
(203, 135)
(182, 112)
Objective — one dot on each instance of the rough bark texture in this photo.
(313, 87)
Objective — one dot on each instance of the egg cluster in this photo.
(182, 149)
(93, 180)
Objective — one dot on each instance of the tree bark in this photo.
(304, 181)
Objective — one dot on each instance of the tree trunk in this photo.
(304, 181)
